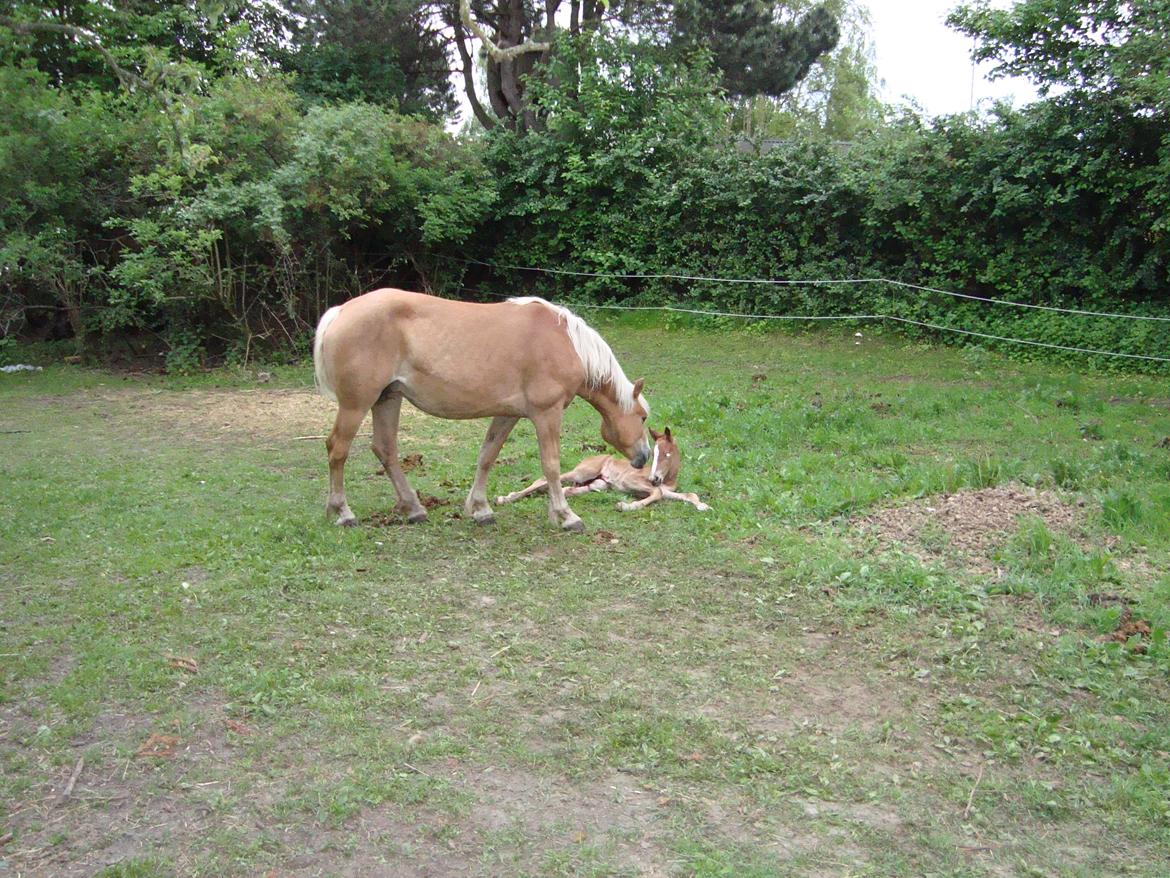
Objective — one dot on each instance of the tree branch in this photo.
(497, 54)
(477, 108)
(130, 79)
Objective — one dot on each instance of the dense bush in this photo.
(241, 232)
(234, 215)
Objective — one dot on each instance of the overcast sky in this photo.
(920, 58)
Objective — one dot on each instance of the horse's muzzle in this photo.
(641, 455)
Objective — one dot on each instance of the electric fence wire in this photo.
(830, 282)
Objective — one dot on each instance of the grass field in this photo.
(921, 632)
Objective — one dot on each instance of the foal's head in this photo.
(626, 431)
(665, 460)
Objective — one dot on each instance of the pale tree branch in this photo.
(128, 78)
(484, 117)
(497, 54)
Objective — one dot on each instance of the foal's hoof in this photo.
(484, 518)
(351, 521)
(417, 517)
(574, 525)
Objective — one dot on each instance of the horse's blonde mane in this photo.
(601, 366)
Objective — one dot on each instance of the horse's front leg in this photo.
(548, 434)
(477, 503)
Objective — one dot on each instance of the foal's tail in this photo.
(319, 370)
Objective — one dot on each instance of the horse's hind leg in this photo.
(345, 427)
(477, 504)
(385, 445)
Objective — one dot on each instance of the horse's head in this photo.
(626, 431)
(665, 460)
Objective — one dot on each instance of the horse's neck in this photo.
(603, 398)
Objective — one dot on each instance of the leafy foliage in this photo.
(378, 51)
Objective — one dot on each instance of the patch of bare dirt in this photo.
(206, 415)
(1129, 631)
(966, 526)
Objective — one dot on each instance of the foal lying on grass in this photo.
(653, 482)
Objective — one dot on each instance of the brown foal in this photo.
(523, 358)
(652, 482)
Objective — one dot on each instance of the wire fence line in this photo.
(807, 282)
(828, 282)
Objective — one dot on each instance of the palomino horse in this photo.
(655, 481)
(523, 358)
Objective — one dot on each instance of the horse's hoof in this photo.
(576, 526)
(484, 518)
(417, 517)
(347, 522)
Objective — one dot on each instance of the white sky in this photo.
(921, 59)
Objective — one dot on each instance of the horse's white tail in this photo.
(319, 371)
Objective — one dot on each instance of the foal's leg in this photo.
(654, 496)
(595, 485)
(689, 497)
(385, 445)
(583, 473)
(548, 432)
(477, 504)
(535, 488)
(345, 427)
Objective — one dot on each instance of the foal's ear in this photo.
(638, 387)
(655, 435)
(669, 438)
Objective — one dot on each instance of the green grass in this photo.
(758, 690)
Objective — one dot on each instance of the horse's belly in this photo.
(447, 400)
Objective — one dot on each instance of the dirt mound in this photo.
(968, 525)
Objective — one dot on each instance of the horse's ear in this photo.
(655, 435)
(638, 387)
(669, 438)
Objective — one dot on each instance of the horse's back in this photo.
(451, 358)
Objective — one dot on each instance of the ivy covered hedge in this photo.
(1060, 204)
(238, 233)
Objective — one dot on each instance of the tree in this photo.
(1105, 66)
(752, 45)
(107, 45)
(837, 99)
(755, 50)
(1104, 47)
(388, 52)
